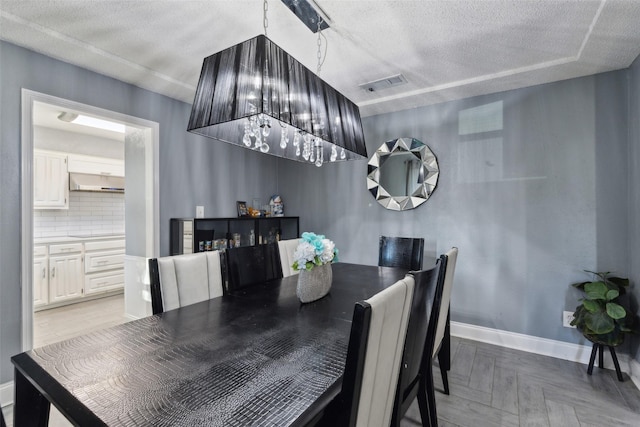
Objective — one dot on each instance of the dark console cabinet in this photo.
(190, 235)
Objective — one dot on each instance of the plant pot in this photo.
(315, 283)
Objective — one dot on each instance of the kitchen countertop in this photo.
(76, 238)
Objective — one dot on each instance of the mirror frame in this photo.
(429, 170)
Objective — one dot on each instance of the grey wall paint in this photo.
(634, 191)
(525, 232)
(193, 170)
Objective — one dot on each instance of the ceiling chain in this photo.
(265, 20)
(319, 54)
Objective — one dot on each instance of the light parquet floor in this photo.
(62, 323)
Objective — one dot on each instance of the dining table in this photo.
(255, 357)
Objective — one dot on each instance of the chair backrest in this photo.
(374, 355)
(181, 280)
(443, 310)
(286, 248)
(426, 283)
(405, 252)
(250, 265)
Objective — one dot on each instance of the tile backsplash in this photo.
(88, 214)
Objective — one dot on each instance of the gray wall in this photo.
(529, 206)
(634, 190)
(193, 170)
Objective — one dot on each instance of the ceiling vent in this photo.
(385, 83)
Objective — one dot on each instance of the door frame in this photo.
(152, 219)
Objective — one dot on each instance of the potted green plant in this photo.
(601, 316)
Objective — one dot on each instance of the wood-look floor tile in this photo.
(561, 414)
(462, 362)
(531, 404)
(481, 377)
(62, 323)
(505, 390)
(464, 412)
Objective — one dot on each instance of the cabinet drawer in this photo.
(101, 261)
(102, 282)
(103, 245)
(40, 250)
(65, 248)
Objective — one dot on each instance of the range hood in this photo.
(101, 183)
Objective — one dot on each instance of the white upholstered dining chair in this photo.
(374, 356)
(287, 248)
(181, 280)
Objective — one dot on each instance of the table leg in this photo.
(31, 408)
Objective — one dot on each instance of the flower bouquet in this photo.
(313, 258)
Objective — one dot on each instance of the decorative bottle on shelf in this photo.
(252, 238)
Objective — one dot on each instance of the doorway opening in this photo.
(90, 246)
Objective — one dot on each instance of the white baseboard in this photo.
(6, 394)
(544, 346)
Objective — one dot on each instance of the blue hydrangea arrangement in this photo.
(314, 249)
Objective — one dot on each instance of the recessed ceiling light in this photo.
(80, 119)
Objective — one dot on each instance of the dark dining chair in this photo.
(426, 285)
(2, 423)
(374, 355)
(404, 252)
(181, 280)
(250, 265)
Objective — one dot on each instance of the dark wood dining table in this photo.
(257, 357)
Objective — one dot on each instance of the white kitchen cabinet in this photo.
(95, 165)
(66, 272)
(103, 282)
(50, 180)
(104, 266)
(40, 276)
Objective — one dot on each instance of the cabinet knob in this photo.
(44, 272)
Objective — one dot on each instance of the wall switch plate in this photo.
(199, 211)
(567, 317)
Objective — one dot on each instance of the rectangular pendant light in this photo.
(256, 95)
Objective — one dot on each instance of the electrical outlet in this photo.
(567, 317)
(199, 211)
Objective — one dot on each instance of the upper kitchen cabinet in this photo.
(95, 165)
(50, 180)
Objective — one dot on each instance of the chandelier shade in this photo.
(256, 95)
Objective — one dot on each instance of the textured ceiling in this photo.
(445, 49)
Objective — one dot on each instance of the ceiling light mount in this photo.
(309, 13)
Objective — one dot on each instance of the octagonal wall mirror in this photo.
(402, 174)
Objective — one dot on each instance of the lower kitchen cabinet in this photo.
(102, 282)
(40, 276)
(65, 278)
(64, 273)
(104, 266)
